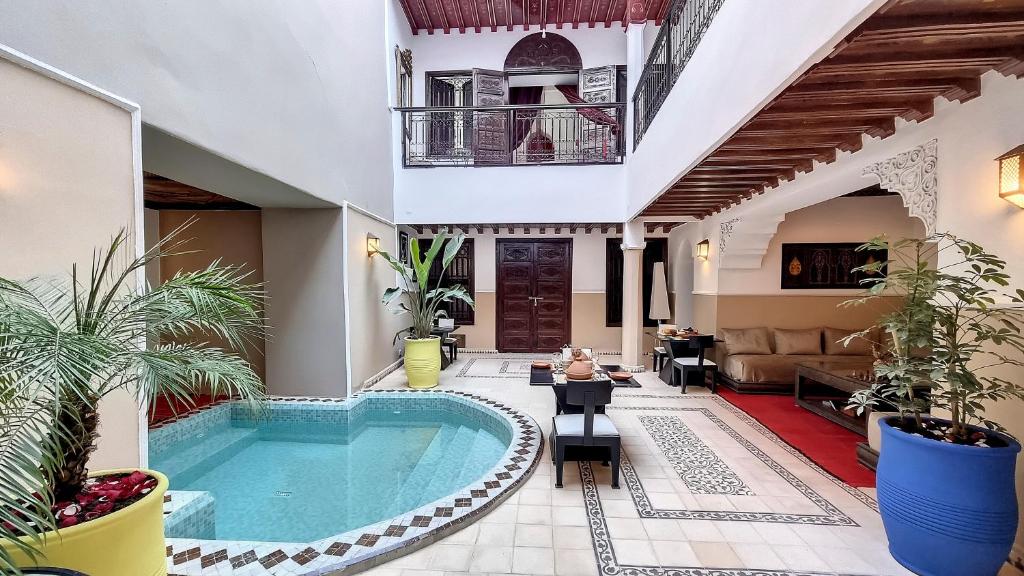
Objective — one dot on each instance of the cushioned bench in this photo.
(761, 360)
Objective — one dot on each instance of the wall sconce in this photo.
(1011, 177)
(372, 245)
(703, 249)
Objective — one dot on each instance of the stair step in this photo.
(198, 457)
(445, 476)
(421, 475)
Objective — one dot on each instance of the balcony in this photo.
(681, 32)
(513, 135)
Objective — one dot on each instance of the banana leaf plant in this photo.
(66, 344)
(414, 295)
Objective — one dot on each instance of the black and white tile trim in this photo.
(369, 546)
(697, 465)
(859, 495)
(832, 515)
(608, 564)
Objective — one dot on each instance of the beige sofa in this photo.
(763, 360)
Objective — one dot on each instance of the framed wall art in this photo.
(826, 266)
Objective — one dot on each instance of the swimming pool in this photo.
(352, 479)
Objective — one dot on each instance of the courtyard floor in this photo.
(706, 491)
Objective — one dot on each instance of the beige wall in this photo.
(232, 236)
(797, 312)
(372, 326)
(303, 258)
(855, 219)
(66, 187)
(481, 335)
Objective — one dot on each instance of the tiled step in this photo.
(190, 462)
(414, 485)
(479, 459)
(446, 475)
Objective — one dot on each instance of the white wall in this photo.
(293, 90)
(520, 194)
(303, 259)
(751, 52)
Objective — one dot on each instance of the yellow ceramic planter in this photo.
(129, 541)
(423, 361)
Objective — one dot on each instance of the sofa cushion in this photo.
(856, 347)
(798, 341)
(781, 369)
(746, 340)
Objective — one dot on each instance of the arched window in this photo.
(543, 52)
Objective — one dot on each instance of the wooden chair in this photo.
(683, 367)
(588, 429)
(453, 348)
(660, 356)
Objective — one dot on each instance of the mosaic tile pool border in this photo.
(369, 546)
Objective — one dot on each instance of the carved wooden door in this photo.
(534, 294)
(490, 129)
(598, 86)
(442, 124)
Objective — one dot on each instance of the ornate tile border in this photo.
(698, 466)
(608, 564)
(502, 373)
(858, 495)
(369, 546)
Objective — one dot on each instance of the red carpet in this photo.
(165, 410)
(829, 445)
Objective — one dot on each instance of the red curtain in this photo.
(595, 115)
(522, 120)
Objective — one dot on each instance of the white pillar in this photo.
(632, 295)
(634, 68)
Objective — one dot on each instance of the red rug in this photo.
(166, 409)
(829, 445)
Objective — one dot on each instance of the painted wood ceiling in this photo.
(161, 193)
(892, 66)
(479, 15)
(552, 228)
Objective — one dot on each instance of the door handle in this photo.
(535, 299)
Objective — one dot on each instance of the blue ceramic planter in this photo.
(948, 510)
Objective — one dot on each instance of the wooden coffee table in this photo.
(825, 389)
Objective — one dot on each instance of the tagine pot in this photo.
(128, 541)
(948, 509)
(581, 368)
(423, 361)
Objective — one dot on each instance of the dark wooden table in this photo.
(825, 389)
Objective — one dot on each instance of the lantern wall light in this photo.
(372, 245)
(703, 249)
(1011, 176)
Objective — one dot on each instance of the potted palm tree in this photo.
(945, 484)
(415, 297)
(64, 346)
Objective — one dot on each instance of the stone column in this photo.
(632, 296)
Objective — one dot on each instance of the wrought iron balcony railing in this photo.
(680, 33)
(545, 134)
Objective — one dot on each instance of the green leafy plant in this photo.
(954, 326)
(415, 296)
(64, 345)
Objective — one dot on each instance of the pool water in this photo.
(302, 481)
